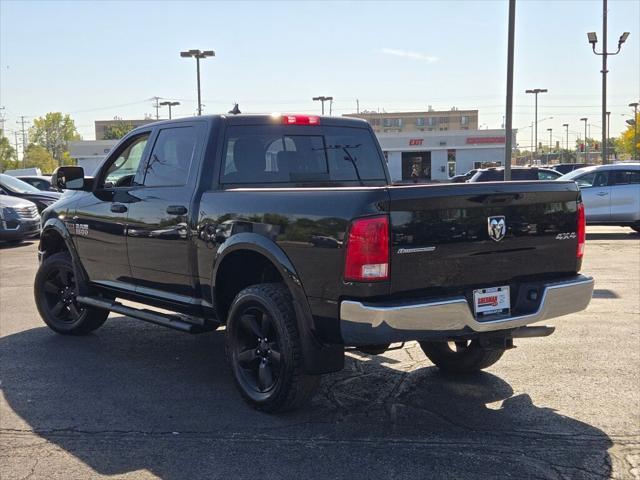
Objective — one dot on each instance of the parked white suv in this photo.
(611, 193)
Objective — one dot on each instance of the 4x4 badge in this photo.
(497, 227)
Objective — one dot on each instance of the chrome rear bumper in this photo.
(363, 324)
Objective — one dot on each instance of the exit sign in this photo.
(415, 141)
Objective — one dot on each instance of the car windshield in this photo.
(16, 185)
(575, 173)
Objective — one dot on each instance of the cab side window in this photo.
(171, 157)
(626, 177)
(593, 179)
(123, 169)
(544, 175)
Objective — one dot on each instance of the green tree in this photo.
(38, 157)
(117, 131)
(8, 157)
(53, 132)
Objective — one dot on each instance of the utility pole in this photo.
(156, 106)
(15, 133)
(566, 126)
(550, 130)
(536, 91)
(357, 106)
(593, 39)
(322, 99)
(509, 110)
(635, 130)
(24, 135)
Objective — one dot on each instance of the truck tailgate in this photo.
(441, 234)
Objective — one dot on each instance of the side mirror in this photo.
(68, 178)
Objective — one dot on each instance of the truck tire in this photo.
(461, 357)
(263, 349)
(55, 297)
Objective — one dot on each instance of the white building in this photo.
(90, 153)
(439, 155)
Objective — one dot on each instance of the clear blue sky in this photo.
(99, 59)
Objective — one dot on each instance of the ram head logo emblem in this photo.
(497, 228)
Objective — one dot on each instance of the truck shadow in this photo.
(137, 397)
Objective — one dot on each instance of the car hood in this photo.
(14, 202)
(41, 196)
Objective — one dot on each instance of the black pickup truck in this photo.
(288, 231)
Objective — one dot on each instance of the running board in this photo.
(175, 321)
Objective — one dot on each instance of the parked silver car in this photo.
(19, 219)
(611, 193)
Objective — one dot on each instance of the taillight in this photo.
(582, 234)
(300, 120)
(367, 257)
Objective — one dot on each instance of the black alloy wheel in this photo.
(257, 350)
(55, 292)
(60, 295)
(461, 356)
(264, 351)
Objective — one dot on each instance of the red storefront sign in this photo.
(415, 141)
(476, 140)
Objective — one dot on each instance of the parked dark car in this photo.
(287, 230)
(464, 177)
(496, 174)
(564, 168)
(19, 219)
(17, 188)
(41, 182)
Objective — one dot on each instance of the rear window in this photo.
(626, 177)
(279, 154)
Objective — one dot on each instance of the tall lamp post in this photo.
(635, 129)
(593, 39)
(169, 104)
(536, 91)
(566, 127)
(198, 54)
(322, 99)
(586, 144)
(550, 130)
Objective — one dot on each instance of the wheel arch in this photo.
(54, 238)
(271, 260)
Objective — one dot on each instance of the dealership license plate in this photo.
(491, 301)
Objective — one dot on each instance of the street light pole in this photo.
(198, 54)
(586, 144)
(608, 133)
(509, 99)
(635, 130)
(536, 91)
(169, 104)
(550, 130)
(593, 39)
(566, 126)
(322, 99)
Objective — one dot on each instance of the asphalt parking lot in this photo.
(135, 400)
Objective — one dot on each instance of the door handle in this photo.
(602, 194)
(118, 208)
(176, 210)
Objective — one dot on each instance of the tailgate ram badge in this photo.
(497, 227)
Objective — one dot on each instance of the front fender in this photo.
(48, 244)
